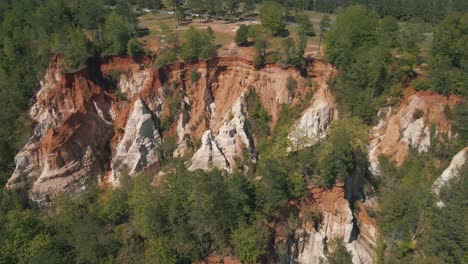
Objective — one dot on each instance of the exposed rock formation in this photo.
(337, 222)
(70, 136)
(399, 129)
(138, 148)
(452, 171)
(84, 131)
(223, 150)
(315, 121)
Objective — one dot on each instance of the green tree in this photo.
(179, 15)
(134, 47)
(344, 152)
(242, 35)
(325, 25)
(354, 29)
(197, 44)
(248, 244)
(305, 26)
(272, 17)
(76, 51)
(450, 56)
(116, 33)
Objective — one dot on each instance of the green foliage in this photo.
(418, 113)
(134, 47)
(449, 56)
(117, 32)
(420, 84)
(272, 17)
(460, 120)
(446, 236)
(194, 76)
(242, 35)
(339, 255)
(305, 26)
(76, 51)
(197, 45)
(249, 244)
(293, 51)
(344, 151)
(258, 117)
(291, 84)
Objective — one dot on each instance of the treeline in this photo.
(425, 10)
(377, 57)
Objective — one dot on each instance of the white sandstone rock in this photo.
(209, 155)
(138, 147)
(132, 83)
(457, 162)
(314, 122)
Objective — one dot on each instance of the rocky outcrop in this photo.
(358, 232)
(86, 130)
(458, 161)
(314, 121)
(229, 144)
(409, 126)
(138, 148)
(70, 137)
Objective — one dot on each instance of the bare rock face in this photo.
(452, 171)
(209, 155)
(337, 222)
(315, 121)
(72, 127)
(84, 132)
(408, 126)
(229, 144)
(138, 147)
(133, 81)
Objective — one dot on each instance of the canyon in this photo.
(114, 117)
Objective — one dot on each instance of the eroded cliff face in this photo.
(419, 118)
(337, 221)
(114, 116)
(111, 118)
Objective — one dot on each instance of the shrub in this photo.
(242, 35)
(194, 76)
(134, 47)
(291, 84)
(418, 113)
(420, 84)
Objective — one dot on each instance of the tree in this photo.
(197, 44)
(260, 47)
(76, 51)
(116, 33)
(179, 14)
(325, 24)
(134, 47)
(248, 244)
(272, 18)
(343, 152)
(242, 35)
(305, 26)
(449, 56)
(354, 29)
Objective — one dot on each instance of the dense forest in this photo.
(378, 49)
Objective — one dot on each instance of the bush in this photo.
(134, 47)
(242, 35)
(291, 84)
(418, 113)
(194, 76)
(420, 84)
